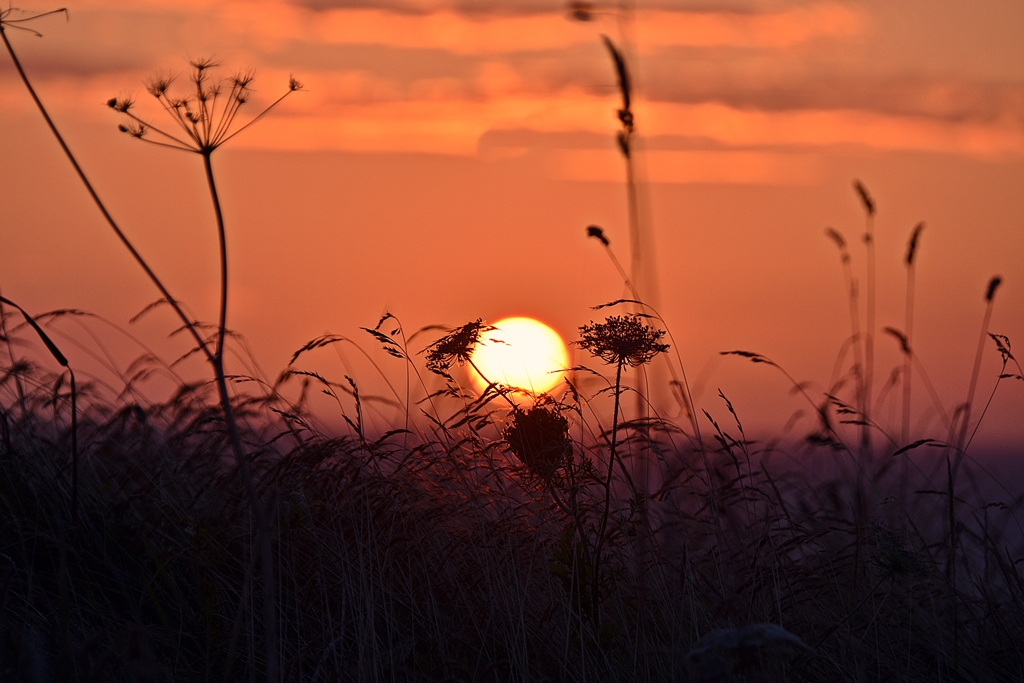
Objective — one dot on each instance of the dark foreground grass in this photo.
(435, 554)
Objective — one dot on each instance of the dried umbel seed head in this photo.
(624, 339)
(158, 86)
(204, 118)
(454, 348)
(539, 437)
(121, 104)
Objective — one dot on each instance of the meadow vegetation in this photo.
(223, 533)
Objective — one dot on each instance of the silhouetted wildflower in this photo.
(624, 339)
(539, 437)
(454, 348)
(206, 116)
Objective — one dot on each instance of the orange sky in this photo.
(445, 158)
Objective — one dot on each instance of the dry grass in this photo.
(434, 554)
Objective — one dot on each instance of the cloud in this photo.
(434, 77)
(455, 126)
(765, 79)
(495, 33)
(691, 166)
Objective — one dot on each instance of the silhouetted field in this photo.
(481, 541)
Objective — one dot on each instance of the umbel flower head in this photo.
(454, 348)
(205, 114)
(622, 339)
(539, 437)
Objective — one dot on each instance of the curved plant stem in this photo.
(222, 243)
(262, 523)
(102, 207)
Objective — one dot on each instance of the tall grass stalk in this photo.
(908, 330)
(954, 456)
(869, 332)
(852, 299)
(624, 139)
(965, 423)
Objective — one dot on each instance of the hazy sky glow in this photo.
(446, 156)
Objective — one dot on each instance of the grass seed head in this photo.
(597, 232)
(993, 285)
(912, 245)
(865, 198)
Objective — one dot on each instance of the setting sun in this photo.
(520, 352)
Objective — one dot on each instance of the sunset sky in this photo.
(445, 158)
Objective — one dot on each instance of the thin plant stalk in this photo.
(869, 333)
(953, 465)
(626, 148)
(595, 589)
(908, 329)
(222, 243)
(990, 302)
(620, 340)
(852, 297)
(1007, 357)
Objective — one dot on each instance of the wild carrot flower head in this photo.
(539, 438)
(454, 348)
(205, 115)
(624, 339)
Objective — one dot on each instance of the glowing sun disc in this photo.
(520, 352)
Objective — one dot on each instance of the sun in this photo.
(520, 352)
